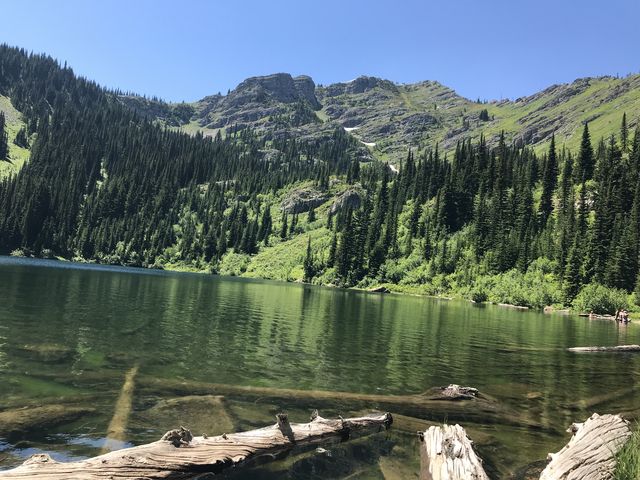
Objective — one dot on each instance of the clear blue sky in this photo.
(186, 49)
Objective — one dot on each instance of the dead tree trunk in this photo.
(456, 403)
(590, 454)
(615, 348)
(446, 454)
(178, 455)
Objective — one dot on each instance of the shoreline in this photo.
(390, 288)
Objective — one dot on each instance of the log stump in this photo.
(447, 453)
(590, 454)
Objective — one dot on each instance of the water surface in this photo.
(69, 333)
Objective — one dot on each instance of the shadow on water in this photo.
(68, 336)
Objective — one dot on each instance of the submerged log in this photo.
(438, 404)
(598, 400)
(615, 348)
(116, 430)
(590, 454)
(446, 453)
(180, 455)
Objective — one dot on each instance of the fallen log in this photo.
(590, 454)
(116, 430)
(437, 404)
(590, 403)
(615, 348)
(446, 453)
(178, 455)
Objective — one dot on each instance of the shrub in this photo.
(600, 299)
(479, 295)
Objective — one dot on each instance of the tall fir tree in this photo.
(4, 138)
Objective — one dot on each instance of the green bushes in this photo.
(537, 287)
(600, 299)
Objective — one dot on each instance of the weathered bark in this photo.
(23, 420)
(590, 454)
(446, 453)
(616, 348)
(181, 456)
(437, 404)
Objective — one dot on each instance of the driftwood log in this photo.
(616, 348)
(179, 455)
(590, 454)
(438, 404)
(446, 453)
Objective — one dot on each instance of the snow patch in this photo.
(350, 129)
(369, 144)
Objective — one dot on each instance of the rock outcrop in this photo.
(303, 200)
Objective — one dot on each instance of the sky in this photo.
(186, 49)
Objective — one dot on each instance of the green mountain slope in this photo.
(17, 155)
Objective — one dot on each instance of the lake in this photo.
(69, 333)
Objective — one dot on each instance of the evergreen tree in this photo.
(331, 260)
(21, 138)
(583, 170)
(549, 179)
(308, 264)
(284, 228)
(4, 145)
(624, 133)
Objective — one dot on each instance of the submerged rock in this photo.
(13, 422)
(199, 413)
(47, 352)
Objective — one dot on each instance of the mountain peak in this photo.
(359, 85)
(276, 88)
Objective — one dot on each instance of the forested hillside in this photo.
(491, 220)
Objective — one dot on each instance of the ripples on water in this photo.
(249, 332)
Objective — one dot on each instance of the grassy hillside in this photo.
(17, 155)
(420, 115)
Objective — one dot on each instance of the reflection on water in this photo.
(69, 334)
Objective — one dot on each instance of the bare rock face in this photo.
(303, 200)
(359, 85)
(276, 88)
(350, 198)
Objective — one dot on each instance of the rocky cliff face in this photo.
(387, 118)
(277, 88)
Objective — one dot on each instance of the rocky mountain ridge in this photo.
(389, 118)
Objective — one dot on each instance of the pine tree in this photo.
(585, 164)
(284, 229)
(308, 264)
(624, 133)
(21, 138)
(331, 260)
(4, 145)
(549, 179)
(266, 226)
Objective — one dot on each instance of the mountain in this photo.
(391, 118)
(287, 180)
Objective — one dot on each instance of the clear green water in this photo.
(69, 333)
